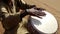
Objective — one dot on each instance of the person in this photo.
(10, 20)
(29, 9)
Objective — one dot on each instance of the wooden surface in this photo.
(51, 6)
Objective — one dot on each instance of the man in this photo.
(10, 20)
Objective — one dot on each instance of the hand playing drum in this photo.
(36, 12)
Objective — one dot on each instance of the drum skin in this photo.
(46, 25)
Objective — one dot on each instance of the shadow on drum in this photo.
(31, 30)
(36, 22)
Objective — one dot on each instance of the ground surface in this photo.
(51, 6)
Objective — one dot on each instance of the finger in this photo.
(33, 14)
(39, 8)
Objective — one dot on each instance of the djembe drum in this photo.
(46, 25)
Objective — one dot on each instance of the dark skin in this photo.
(16, 18)
(22, 6)
(9, 22)
(38, 12)
(34, 12)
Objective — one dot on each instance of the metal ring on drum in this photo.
(48, 24)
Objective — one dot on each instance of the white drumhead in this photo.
(48, 23)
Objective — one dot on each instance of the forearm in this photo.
(24, 5)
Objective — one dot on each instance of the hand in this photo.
(35, 12)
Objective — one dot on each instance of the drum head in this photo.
(48, 23)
